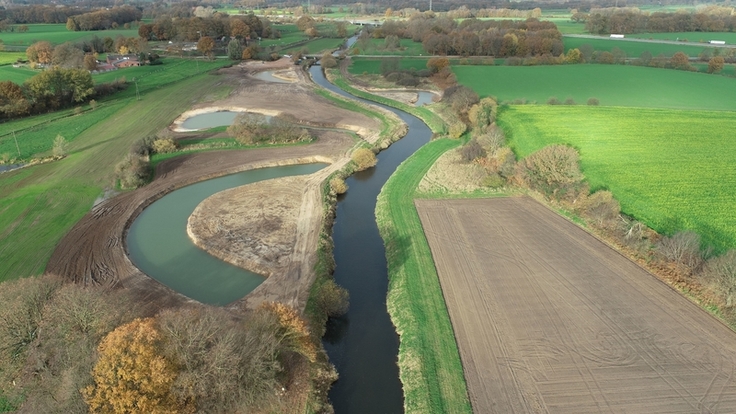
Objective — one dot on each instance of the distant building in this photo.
(123, 61)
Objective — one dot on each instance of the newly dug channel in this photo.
(550, 319)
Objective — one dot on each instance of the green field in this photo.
(671, 169)
(56, 34)
(634, 49)
(408, 48)
(7, 58)
(17, 75)
(430, 367)
(692, 37)
(39, 204)
(566, 26)
(373, 66)
(613, 85)
(317, 46)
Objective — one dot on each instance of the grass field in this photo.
(7, 58)
(57, 33)
(566, 26)
(17, 75)
(671, 169)
(373, 66)
(408, 48)
(431, 371)
(692, 37)
(39, 204)
(35, 134)
(613, 85)
(634, 49)
(317, 46)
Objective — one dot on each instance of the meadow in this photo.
(56, 34)
(8, 58)
(17, 75)
(613, 85)
(35, 134)
(408, 47)
(359, 66)
(671, 169)
(635, 49)
(42, 202)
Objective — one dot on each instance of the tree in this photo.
(553, 170)
(205, 45)
(682, 248)
(12, 100)
(574, 56)
(39, 52)
(66, 55)
(132, 375)
(59, 148)
(363, 159)
(234, 50)
(436, 64)
(59, 87)
(90, 61)
(680, 61)
(715, 64)
(328, 61)
(239, 29)
(721, 270)
(601, 207)
(72, 25)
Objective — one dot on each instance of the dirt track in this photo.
(550, 319)
(94, 250)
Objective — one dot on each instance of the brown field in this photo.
(550, 319)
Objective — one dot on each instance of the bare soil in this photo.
(94, 251)
(550, 319)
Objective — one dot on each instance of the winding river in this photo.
(363, 344)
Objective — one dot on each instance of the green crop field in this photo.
(635, 49)
(691, 37)
(566, 26)
(613, 85)
(57, 33)
(671, 169)
(40, 203)
(373, 66)
(7, 58)
(17, 75)
(431, 370)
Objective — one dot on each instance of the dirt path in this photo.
(93, 252)
(550, 319)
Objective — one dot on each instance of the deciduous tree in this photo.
(205, 45)
(715, 64)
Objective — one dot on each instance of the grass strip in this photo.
(431, 370)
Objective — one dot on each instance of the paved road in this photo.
(631, 39)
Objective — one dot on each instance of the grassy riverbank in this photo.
(431, 370)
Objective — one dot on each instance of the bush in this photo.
(331, 299)
(457, 129)
(133, 171)
(593, 101)
(164, 146)
(363, 159)
(554, 170)
(553, 101)
(721, 272)
(142, 147)
(601, 207)
(570, 101)
(59, 149)
(492, 180)
(328, 61)
(471, 151)
(682, 248)
(492, 138)
(338, 186)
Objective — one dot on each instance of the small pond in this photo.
(424, 98)
(158, 243)
(210, 120)
(8, 167)
(269, 77)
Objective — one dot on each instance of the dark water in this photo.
(158, 243)
(363, 344)
(210, 120)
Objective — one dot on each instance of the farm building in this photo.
(123, 61)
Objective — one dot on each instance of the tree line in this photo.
(191, 29)
(40, 14)
(103, 19)
(633, 20)
(441, 35)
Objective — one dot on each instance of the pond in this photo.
(210, 120)
(158, 243)
(269, 77)
(424, 98)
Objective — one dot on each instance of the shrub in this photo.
(682, 248)
(363, 159)
(457, 129)
(721, 272)
(133, 171)
(492, 180)
(554, 170)
(492, 138)
(471, 151)
(338, 186)
(142, 147)
(164, 146)
(570, 101)
(553, 101)
(59, 149)
(328, 61)
(593, 101)
(332, 299)
(601, 207)
(505, 162)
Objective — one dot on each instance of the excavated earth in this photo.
(94, 251)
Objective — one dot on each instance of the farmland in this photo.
(56, 34)
(550, 319)
(635, 49)
(613, 85)
(407, 47)
(373, 66)
(702, 37)
(671, 169)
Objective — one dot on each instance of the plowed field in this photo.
(550, 319)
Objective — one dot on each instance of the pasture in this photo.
(692, 37)
(407, 47)
(359, 66)
(634, 49)
(613, 85)
(671, 169)
(56, 34)
(7, 58)
(17, 75)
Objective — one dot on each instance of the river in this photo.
(363, 344)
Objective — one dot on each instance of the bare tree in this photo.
(682, 248)
(721, 270)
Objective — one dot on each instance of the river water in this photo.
(363, 344)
